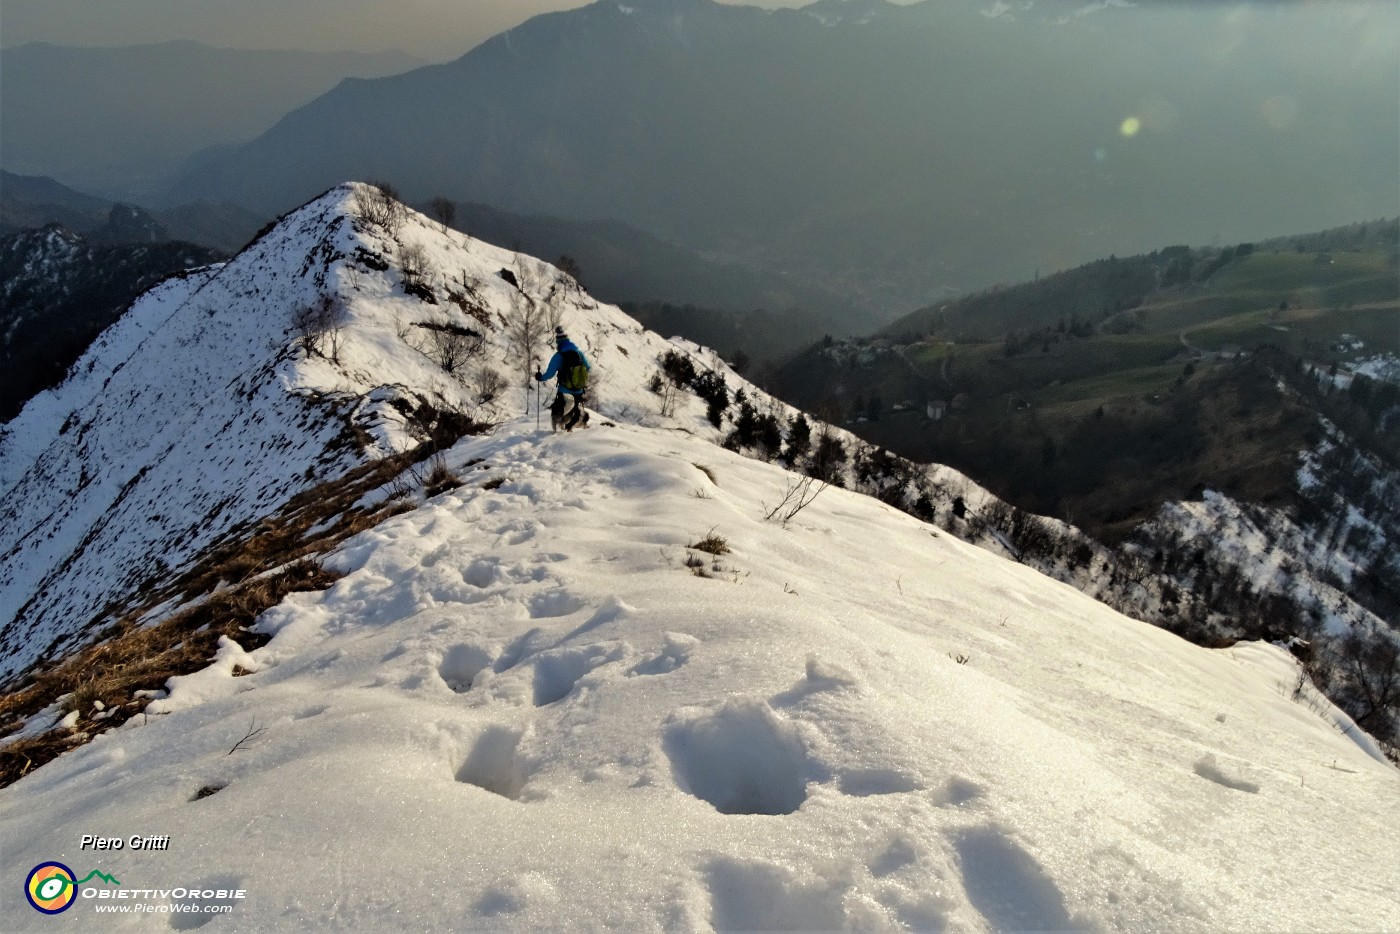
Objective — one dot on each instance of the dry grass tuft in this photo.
(440, 477)
(712, 544)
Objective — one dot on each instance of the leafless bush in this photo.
(434, 476)
(669, 392)
(445, 211)
(798, 496)
(378, 203)
(828, 458)
(254, 731)
(531, 276)
(712, 544)
(487, 383)
(1365, 681)
(570, 267)
(413, 263)
(318, 328)
(448, 345)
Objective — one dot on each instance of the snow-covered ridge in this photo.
(188, 416)
(202, 409)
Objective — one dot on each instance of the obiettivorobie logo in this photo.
(53, 887)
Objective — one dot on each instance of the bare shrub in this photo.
(1365, 681)
(798, 496)
(448, 345)
(445, 210)
(669, 392)
(526, 325)
(250, 737)
(319, 328)
(378, 203)
(413, 263)
(487, 383)
(570, 267)
(828, 460)
(435, 476)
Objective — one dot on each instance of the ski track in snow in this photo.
(520, 709)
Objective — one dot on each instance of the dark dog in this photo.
(567, 412)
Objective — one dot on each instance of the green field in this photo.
(1310, 332)
(1287, 272)
(1105, 398)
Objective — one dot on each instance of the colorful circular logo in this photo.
(51, 888)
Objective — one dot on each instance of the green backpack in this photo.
(573, 372)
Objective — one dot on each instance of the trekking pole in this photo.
(534, 365)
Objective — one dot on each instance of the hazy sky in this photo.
(430, 29)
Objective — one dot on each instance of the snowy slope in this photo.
(521, 709)
(529, 704)
(193, 414)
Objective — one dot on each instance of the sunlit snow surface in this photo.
(522, 709)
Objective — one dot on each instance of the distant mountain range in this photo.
(117, 119)
(889, 153)
(29, 202)
(620, 263)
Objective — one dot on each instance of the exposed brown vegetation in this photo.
(114, 677)
(103, 681)
(712, 544)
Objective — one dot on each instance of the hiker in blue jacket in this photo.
(573, 367)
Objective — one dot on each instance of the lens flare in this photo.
(1130, 127)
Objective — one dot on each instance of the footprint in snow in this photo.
(462, 663)
(1007, 885)
(558, 672)
(554, 603)
(675, 652)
